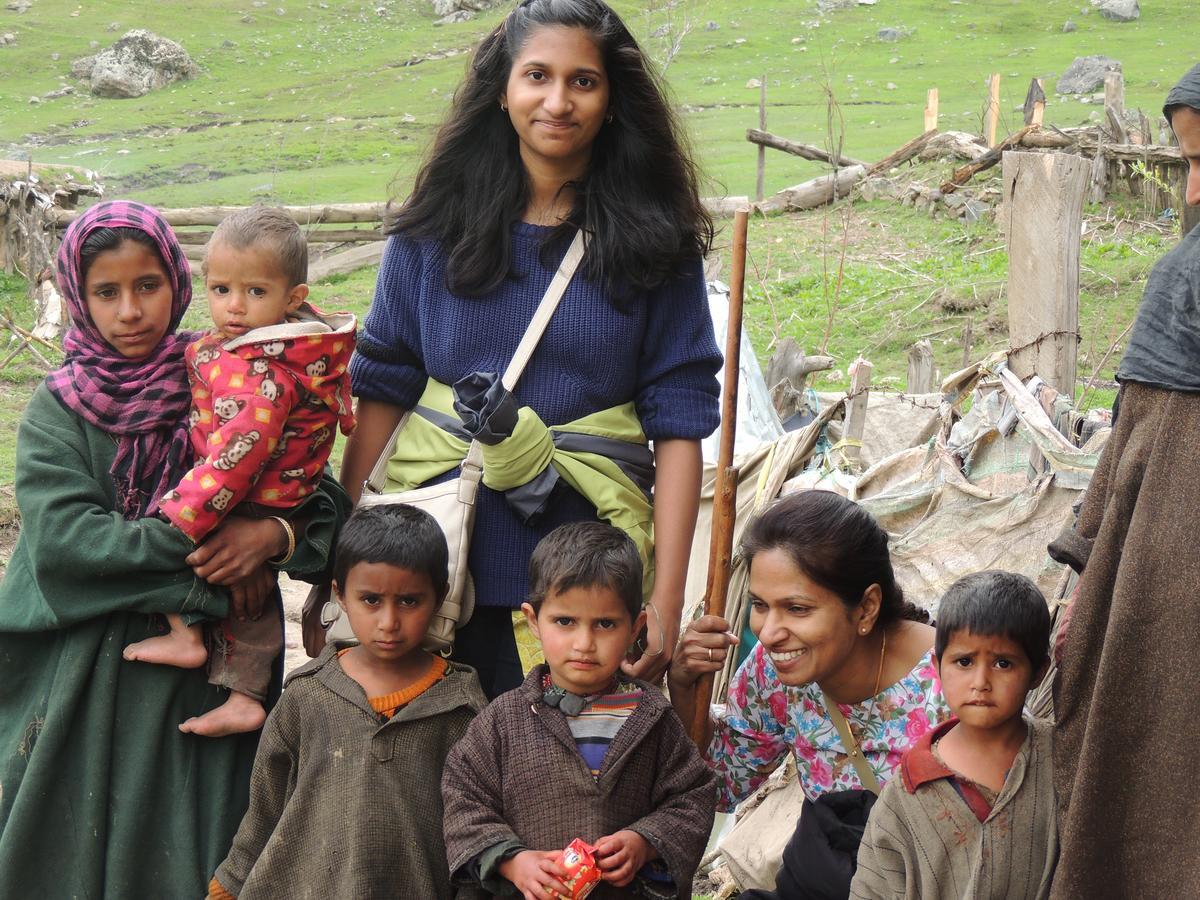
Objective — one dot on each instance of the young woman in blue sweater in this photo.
(560, 125)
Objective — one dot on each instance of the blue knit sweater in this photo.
(659, 352)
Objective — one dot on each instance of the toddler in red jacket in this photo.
(269, 386)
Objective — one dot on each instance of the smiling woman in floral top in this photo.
(831, 623)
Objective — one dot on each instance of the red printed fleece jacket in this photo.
(264, 409)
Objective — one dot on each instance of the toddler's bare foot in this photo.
(239, 714)
(182, 648)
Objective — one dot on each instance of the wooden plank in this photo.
(725, 207)
(920, 367)
(815, 192)
(992, 117)
(856, 410)
(1045, 205)
(334, 213)
(1114, 93)
(903, 154)
(314, 236)
(804, 151)
(762, 151)
(931, 109)
(963, 174)
(1189, 216)
(347, 261)
(1098, 185)
(1116, 126)
(1144, 129)
(1035, 102)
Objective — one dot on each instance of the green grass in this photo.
(325, 103)
(319, 104)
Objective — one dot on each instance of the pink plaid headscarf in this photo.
(142, 402)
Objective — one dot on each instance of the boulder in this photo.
(975, 210)
(878, 187)
(893, 34)
(82, 67)
(1069, 26)
(444, 8)
(953, 145)
(136, 64)
(1086, 74)
(1118, 10)
(454, 18)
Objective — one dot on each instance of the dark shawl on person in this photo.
(1164, 348)
(1125, 697)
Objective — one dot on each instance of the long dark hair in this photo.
(837, 544)
(639, 201)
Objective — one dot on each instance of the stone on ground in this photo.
(138, 63)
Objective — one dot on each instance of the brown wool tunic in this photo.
(517, 775)
(343, 804)
(924, 841)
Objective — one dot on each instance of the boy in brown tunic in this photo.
(579, 751)
(344, 798)
(972, 815)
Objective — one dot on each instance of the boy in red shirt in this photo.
(269, 386)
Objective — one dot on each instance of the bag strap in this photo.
(865, 774)
(473, 463)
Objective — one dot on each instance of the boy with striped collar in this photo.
(579, 751)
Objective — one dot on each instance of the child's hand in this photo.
(621, 855)
(537, 874)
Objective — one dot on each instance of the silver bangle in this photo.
(661, 631)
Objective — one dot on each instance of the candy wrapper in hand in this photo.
(582, 872)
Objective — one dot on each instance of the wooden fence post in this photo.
(856, 410)
(4, 256)
(762, 151)
(1046, 193)
(1114, 93)
(992, 118)
(1035, 102)
(1189, 216)
(920, 368)
(931, 109)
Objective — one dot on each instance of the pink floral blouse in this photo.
(764, 720)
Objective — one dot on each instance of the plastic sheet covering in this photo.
(970, 498)
(757, 421)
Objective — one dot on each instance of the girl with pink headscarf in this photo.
(100, 793)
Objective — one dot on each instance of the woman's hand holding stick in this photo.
(720, 555)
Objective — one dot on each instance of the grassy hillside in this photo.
(332, 100)
(336, 101)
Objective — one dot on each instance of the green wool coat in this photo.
(100, 793)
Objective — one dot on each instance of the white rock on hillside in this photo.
(137, 64)
(1118, 10)
(443, 8)
(1086, 74)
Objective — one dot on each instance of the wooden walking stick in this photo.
(720, 553)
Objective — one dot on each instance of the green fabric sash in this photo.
(426, 450)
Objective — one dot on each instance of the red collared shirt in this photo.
(921, 765)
